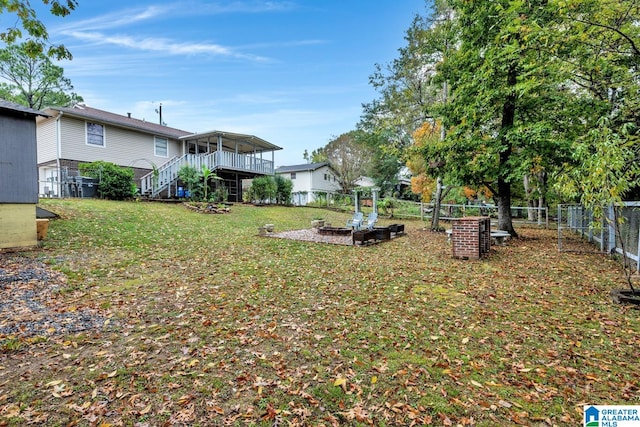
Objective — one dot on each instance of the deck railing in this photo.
(160, 180)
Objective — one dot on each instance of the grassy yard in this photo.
(210, 324)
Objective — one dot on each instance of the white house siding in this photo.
(320, 184)
(73, 141)
(46, 131)
(121, 146)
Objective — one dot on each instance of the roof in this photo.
(84, 112)
(307, 167)
(231, 141)
(17, 108)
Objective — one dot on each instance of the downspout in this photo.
(59, 152)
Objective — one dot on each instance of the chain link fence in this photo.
(67, 182)
(580, 231)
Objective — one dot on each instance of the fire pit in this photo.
(334, 231)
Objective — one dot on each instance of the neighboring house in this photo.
(310, 181)
(18, 175)
(82, 134)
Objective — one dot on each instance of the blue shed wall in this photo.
(18, 159)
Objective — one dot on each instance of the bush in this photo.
(191, 179)
(115, 182)
(263, 189)
(387, 206)
(284, 187)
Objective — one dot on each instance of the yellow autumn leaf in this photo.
(476, 383)
(374, 379)
(53, 383)
(340, 382)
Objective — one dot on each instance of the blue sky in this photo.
(295, 73)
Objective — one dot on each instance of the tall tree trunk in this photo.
(542, 179)
(503, 198)
(435, 216)
(531, 202)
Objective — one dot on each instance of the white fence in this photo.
(424, 211)
(622, 238)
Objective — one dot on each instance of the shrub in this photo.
(191, 179)
(284, 186)
(115, 182)
(263, 189)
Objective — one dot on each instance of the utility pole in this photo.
(159, 111)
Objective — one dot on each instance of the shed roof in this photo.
(84, 112)
(17, 108)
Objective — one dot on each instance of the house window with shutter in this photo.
(95, 134)
(161, 147)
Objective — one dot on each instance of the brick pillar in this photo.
(470, 237)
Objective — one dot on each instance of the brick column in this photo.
(470, 237)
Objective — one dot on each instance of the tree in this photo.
(33, 80)
(508, 100)
(349, 155)
(426, 178)
(190, 177)
(27, 17)
(284, 186)
(604, 70)
(318, 155)
(263, 189)
(411, 93)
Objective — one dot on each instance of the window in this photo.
(95, 134)
(161, 147)
(326, 177)
(293, 175)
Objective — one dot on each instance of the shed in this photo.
(18, 175)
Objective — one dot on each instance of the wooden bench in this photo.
(382, 233)
(363, 236)
(396, 228)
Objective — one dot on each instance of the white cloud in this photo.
(117, 19)
(161, 45)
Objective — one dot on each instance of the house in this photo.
(310, 181)
(81, 134)
(18, 175)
